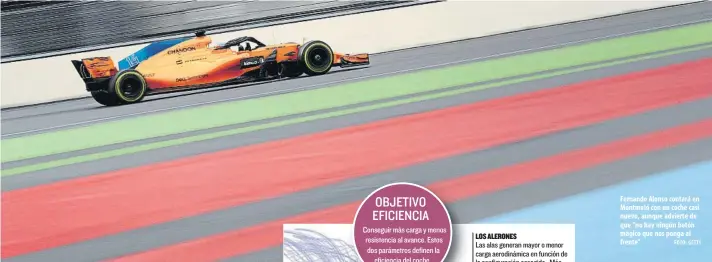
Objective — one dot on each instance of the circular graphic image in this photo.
(402, 222)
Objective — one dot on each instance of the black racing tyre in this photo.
(104, 98)
(316, 57)
(128, 87)
(291, 69)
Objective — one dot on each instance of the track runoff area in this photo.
(577, 125)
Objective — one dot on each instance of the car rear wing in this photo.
(93, 68)
(349, 60)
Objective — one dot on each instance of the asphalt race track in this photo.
(498, 145)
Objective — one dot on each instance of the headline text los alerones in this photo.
(491, 249)
(400, 202)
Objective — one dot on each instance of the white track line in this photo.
(289, 90)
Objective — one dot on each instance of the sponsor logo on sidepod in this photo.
(184, 79)
(181, 50)
(253, 61)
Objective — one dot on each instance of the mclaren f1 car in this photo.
(195, 62)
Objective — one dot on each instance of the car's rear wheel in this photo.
(316, 57)
(125, 87)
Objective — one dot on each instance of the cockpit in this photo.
(245, 43)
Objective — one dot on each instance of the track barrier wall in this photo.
(54, 78)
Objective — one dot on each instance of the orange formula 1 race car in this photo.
(191, 63)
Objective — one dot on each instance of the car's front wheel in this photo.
(316, 57)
